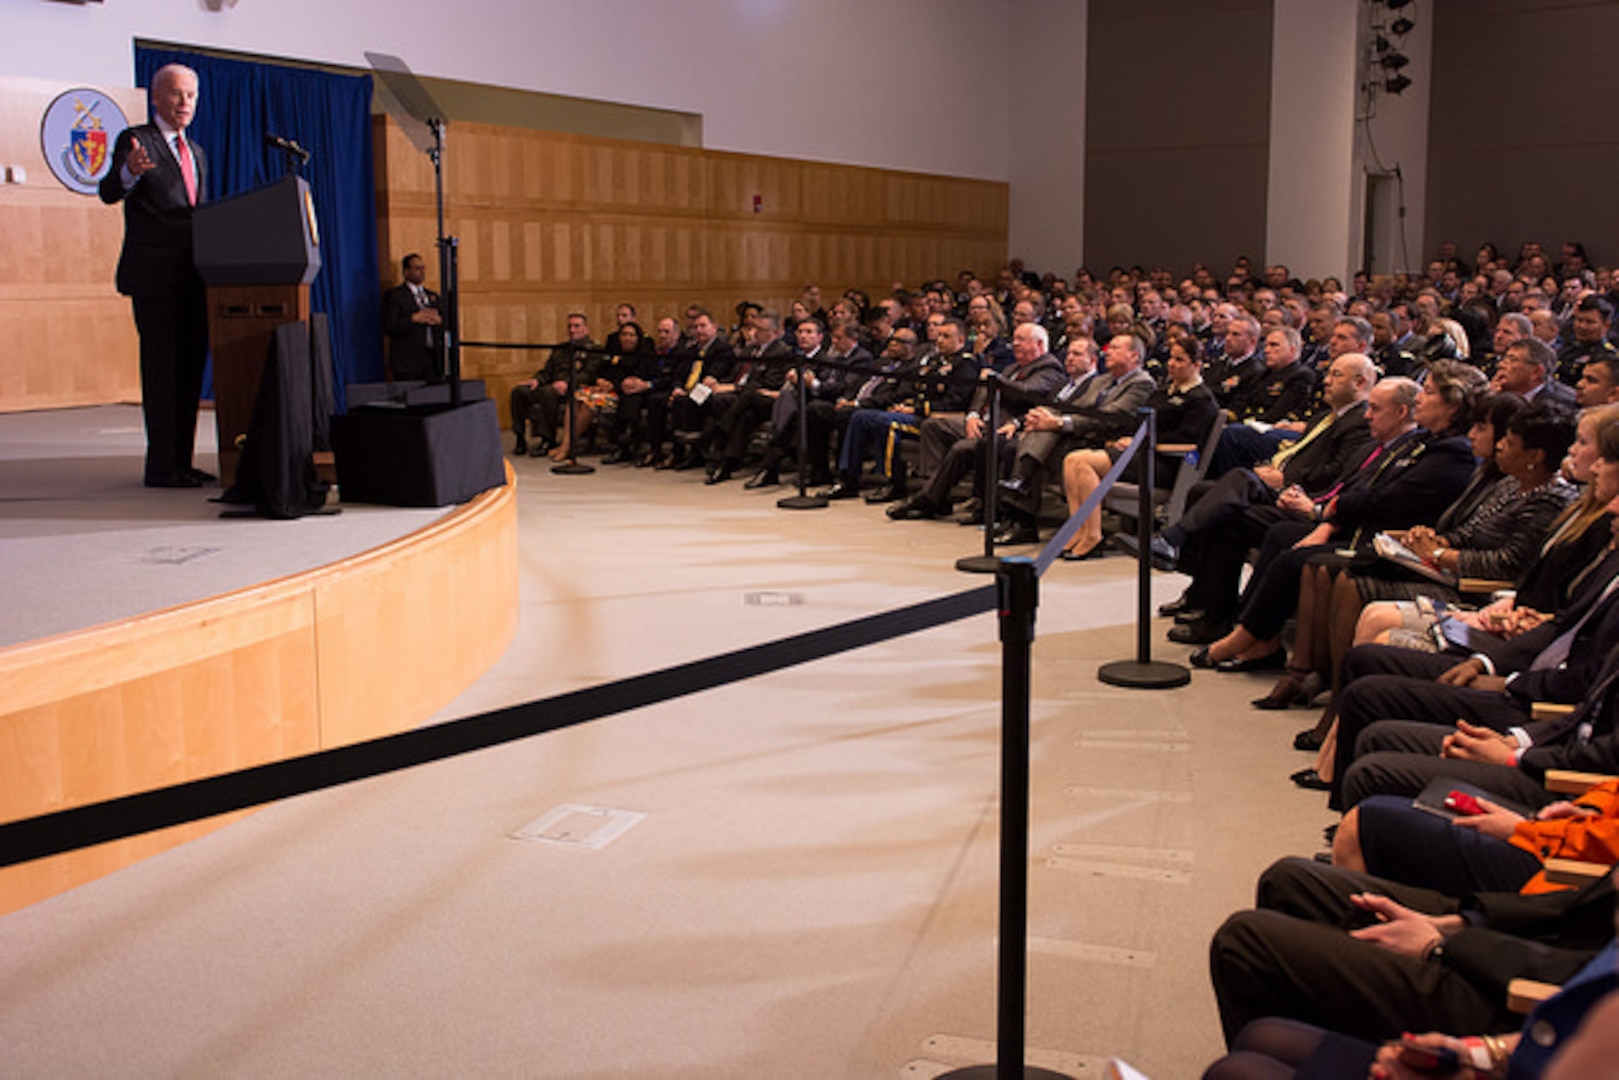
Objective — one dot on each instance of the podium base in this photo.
(1151, 675)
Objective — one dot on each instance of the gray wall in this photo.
(1522, 139)
(1177, 136)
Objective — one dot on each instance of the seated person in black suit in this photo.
(536, 404)
(1227, 517)
(1527, 369)
(705, 363)
(1371, 957)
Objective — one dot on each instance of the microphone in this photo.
(286, 146)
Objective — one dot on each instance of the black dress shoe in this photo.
(1273, 661)
(1067, 555)
(1310, 780)
(1015, 485)
(1200, 658)
(973, 516)
(1201, 632)
(916, 508)
(201, 475)
(762, 478)
(618, 457)
(843, 489)
(1308, 739)
(1190, 615)
(539, 449)
(886, 494)
(718, 474)
(173, 480)
(1174, 607)
(1015, 531)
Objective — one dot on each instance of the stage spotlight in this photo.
(1381, 44)
(1394, 61)
(1397, 84)
(1402, 27)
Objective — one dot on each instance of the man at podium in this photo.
(158, 174)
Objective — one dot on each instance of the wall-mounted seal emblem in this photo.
(77, 134)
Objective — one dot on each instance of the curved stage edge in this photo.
(368, 646)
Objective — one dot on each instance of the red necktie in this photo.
(187, 169)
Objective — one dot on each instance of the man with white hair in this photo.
(159, 175)
(1033, 379)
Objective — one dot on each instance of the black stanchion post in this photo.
(570, 465)
(1018, 587)
(803, 500)
(989, 476)
(1143, 672)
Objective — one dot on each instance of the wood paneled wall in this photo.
(551, 223)
(290, 667)
(70, 339)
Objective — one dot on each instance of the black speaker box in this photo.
(418, 455)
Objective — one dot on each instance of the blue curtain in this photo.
(330, 116)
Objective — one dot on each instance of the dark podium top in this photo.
(262, 237)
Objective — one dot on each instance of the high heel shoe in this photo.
(1287, 691)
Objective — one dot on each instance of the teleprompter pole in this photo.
(1018, 587)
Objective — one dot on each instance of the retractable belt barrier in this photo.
(131, 815)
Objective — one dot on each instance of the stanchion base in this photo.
(1144, 675)
(572, 468)
(992, 1072)
(979, 564)
(802, 502)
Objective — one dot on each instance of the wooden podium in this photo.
(257, 252)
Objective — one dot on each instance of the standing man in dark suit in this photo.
(159, 176)
(411, 319)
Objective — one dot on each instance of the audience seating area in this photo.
(1421, 472)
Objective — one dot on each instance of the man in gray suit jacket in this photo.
(158, 174)
(1102, 411)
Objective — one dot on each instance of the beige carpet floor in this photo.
(805, 880)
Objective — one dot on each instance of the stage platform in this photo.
(793, 876)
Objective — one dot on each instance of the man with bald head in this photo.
(159, 175)
(1227, 517)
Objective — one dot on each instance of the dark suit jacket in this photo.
(1410, 485)
(409, 356)
(1318, 466)
(1587, 651)
(156, 263)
